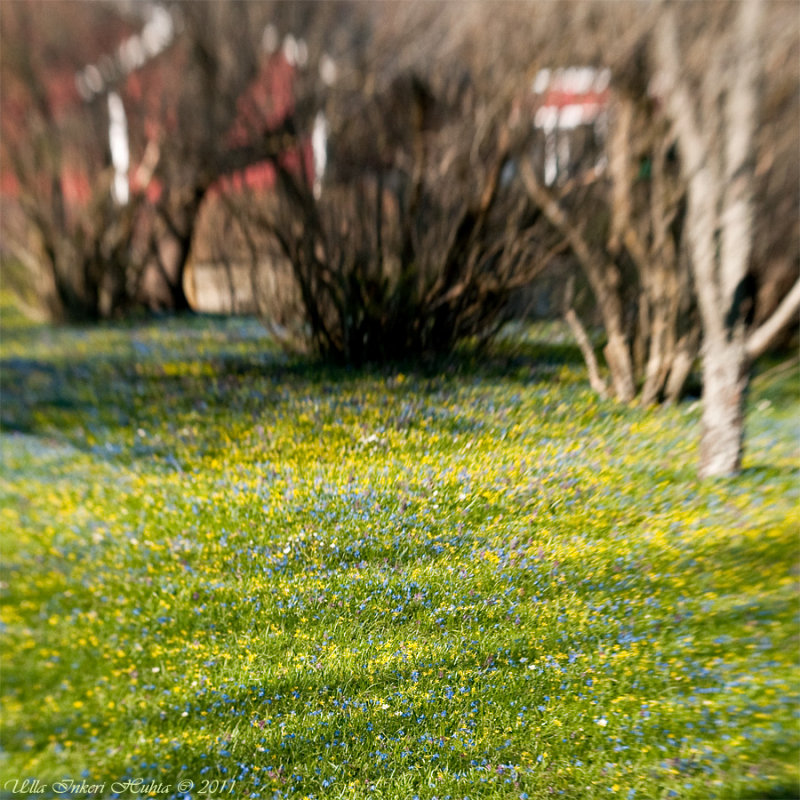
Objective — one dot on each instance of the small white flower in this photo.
(602, 722)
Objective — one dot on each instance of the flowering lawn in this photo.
(230, 574)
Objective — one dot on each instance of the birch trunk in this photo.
(603, 277)
(725, 379)
(717, 161)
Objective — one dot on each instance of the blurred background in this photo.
(455, 567)
(387, 179)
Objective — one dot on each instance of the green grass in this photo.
(223, 565)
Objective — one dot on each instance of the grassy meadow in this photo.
(227, 573)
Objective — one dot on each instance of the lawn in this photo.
(226, 573)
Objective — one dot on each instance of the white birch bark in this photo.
(719, 225)
(760, 339)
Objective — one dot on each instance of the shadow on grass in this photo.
(766, 473)
(229, 371)
(776, 793)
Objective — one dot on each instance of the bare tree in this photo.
(418, 236)
(207, 125)
(80, 243)
(715, 120)
(622, 217)
(667, 229)
(197, 100)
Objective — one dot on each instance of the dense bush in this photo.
(417, 239)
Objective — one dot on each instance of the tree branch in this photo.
(760, 339)
(585, 345)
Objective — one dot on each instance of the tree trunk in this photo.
(585, 345)
(718, 164)
(603, 277)
(180, 221)
(618, 355)
(178, 298)
(681, 365)
(725, 378)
